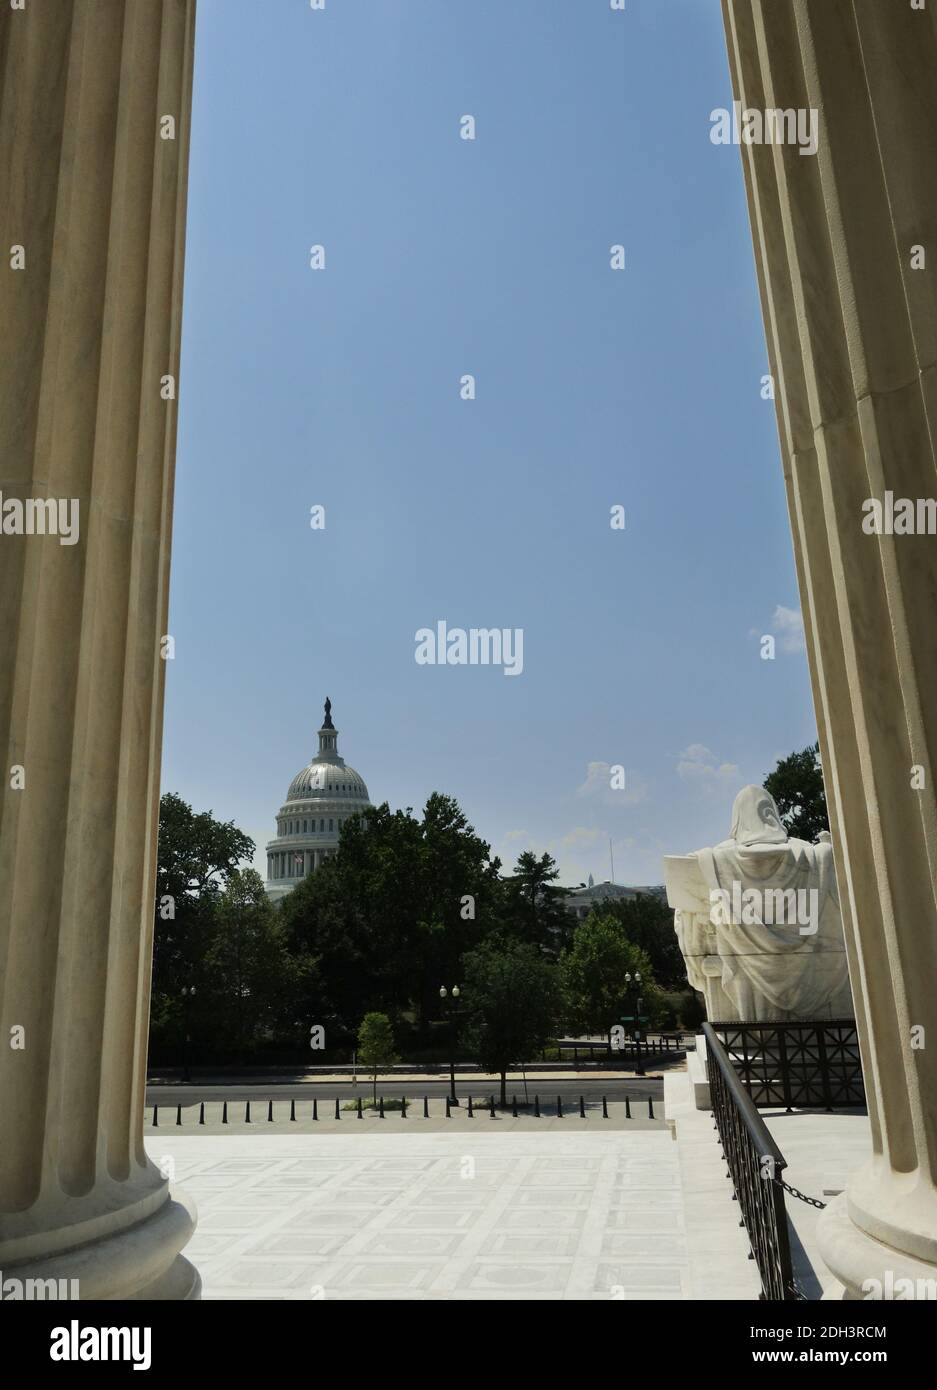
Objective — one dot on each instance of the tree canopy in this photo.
(535, 908)
(593, 975)
(511, 1003)
(797, 786)
(218, 938)
(407, 904)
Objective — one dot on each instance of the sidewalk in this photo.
(431, 1217)
(464, 1079)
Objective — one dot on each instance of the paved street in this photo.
(592, 1087)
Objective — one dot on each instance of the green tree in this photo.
(196, 854)
(534, 907)
(389, 916)
(511, 1004)
(376, 1045)
(797, 786)
(460, 896)
(251, 987)
(197, 857)
(648, 923)
(592, 975)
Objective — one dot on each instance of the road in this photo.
(591, 1087)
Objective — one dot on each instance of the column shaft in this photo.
(97, 199)
(852, 332)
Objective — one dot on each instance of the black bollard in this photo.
(492, 1110)
(269, 1111)
(536, 1107)
(582, 1108)
(650, 1107)
(247, 1114)
(224, 1113)
(359, 1108)
(156, 1117)
(627, 1107)
(178, 1114)
(403, 1107)
(514, 1107)
(559, 1107)
(338, 1113)
(604, 1108)
(201, 1113)
(448, 1109)
(381, 1110)
(292, 1110)
(470, 1110)
(426, 1107)
(315, 1107)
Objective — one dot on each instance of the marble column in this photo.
(94, 133)
(846, 254)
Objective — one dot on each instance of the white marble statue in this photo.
(758, 921)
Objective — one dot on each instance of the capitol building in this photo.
(320, 799)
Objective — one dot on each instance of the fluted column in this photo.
(852, 331)
(93, 189)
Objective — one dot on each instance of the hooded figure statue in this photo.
(758, 921)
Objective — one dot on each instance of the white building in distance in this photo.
(320, 799)
(581, 901)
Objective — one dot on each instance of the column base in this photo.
(140, 1262)
(867, 1269)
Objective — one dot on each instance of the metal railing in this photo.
(802, 1065)
(755, 1167)
(664, 1045)
(337, 1108)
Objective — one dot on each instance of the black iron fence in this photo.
(337, 1109)
(755, 1166)
(667, 1045)
(804, 1065)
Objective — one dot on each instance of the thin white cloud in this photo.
(598, 788)
(697, 763)
(788, 627)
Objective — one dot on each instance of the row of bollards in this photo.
(359, 1110)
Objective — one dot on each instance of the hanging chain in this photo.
(802, 1196)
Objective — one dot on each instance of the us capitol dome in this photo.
(320, 799)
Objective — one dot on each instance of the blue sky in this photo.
(341, 387)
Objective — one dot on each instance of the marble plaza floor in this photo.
(514, 1215)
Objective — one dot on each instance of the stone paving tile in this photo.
(482, 1216)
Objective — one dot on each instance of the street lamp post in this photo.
(635, 994)
(188, 993)
(455, 994)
